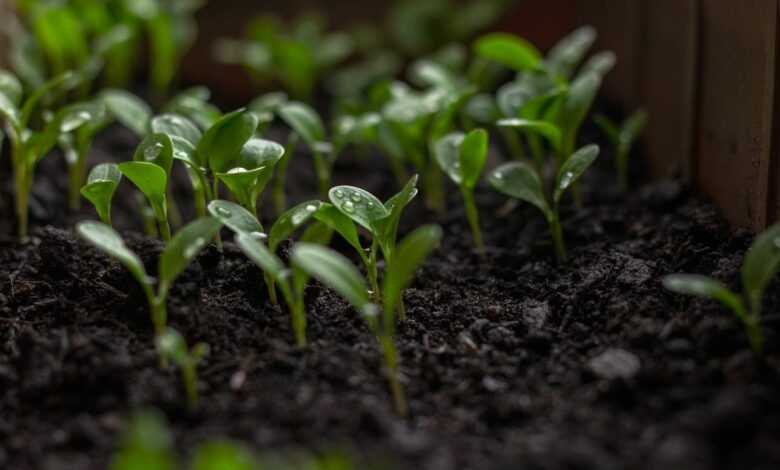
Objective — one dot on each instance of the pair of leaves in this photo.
(462, 157)
(150, 170)
(521, 181)
(176, 256)
(624, 135)
(252, 170)
(100, 188)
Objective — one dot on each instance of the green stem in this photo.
(271, 286)
(473, 217)
(174, 214)
(190, 378)
(323, 174)
(390, 354)
(298, 314)
(372, 272)
(20, 168)
(514, 144)
(159, 311)
(77, 177)
(434, 188)
(198, 192)
(556, 231)
(215, 195)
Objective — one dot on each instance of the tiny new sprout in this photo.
(99, 190)
(249, 237)
(176, 256)
(379, 219)
(623, 136)
(338, 273)
(150, 172)
(252, 171)
(462, 157)
(759, 268)
(522, 181)
(307, 124)
(173, 348)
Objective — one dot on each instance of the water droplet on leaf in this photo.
(349, 206)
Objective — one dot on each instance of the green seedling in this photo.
(307, 124)
(193, 103)
(338, 273)
(576, 106)
(176, 256)
(250, 237)
(252, 171)
(379, 219)
(511, 51)
(150, 172)
(569, 52)
(130, 110)
(622, 137)
(463, 157)
(28, 146)
(146, 444)
(173, 348)
(760, 267)
(522, 181)
(99, 190)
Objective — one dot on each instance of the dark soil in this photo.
(508, 360)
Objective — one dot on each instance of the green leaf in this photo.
(570, 51)
(222, 455)
(193, 104)
(11, 87)
(107, 240)
(609, 128)
(99, 190)
(633, 127)
(156, 149)
(510, 51)
(447, 153)
(57, 85)
(257, 252)
(573, 168)
(482, 108)
(290, 221)
(253, 170)
(235, 217)
(521, 181)
(473, 155)
(331, 216)
(512, 97)
(128, 109)
(411, 253)
(10, 113)
(359, 205)
(146, 444)
(702, 286)
(395, 206)
(578, 102)
(151, 180)
(175, 125)
(549, 131)
(304, 121)
(334, 270)
(185, 246)
(173, 346)
(600, 64)
(221, 145)
(761, 263)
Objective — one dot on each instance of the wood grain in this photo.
(735, 105)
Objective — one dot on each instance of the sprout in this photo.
(249, 237)
(176, 256)
(522, 181)
(338, 273)
(462, 157)
(173, 348)
(252, 171)
(759, 268)
(511, 51)
(623, 138)
(307, 124)
(99, 190)
(358, 206)
(149, 172)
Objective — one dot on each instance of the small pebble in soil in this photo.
(615, 364)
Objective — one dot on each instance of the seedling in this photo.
(173, 348)
(338, 273)
(308, 125)
(462, 157)
(252, 171)
(623, 136)
(193, 104)
(150, 171)
(99, 190)
(176, 256)
(760, 267)
(250, 237)
(379, 219)
(522, 181)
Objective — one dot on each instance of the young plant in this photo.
(338, 273)
(99, 190)
(176, 256)
(307, 124)
(760, 267)
(250, 237)
(173, 348)
(150, 172)
(463, 157)
(522, 181)
(379, 219)
(252, 171)
(623, 136)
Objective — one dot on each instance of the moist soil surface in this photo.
(510, 361)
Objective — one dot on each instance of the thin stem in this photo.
(434, 188)
(22, 192)
(323, 174)
(514, 144)
(298, 314)
(77, 176)
(372, 272)
(390, 354)
(190, 378)
(556, 231)
(473, 217)
(215, 195)
(159, 312)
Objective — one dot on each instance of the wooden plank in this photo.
(619, 26)
(735, 104)
(667, 77)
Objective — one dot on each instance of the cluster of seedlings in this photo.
(455, 110)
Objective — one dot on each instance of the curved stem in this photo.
(556, 231)
(390, 354)
(473, 217)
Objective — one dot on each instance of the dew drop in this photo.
(567, 178)
(192, 250)
(237, 170)
(258, 235)
(224, 212)
(355, 197)
(499, 176)
(152, 152)
(311, 208)
(370, 204)
(349, 206)
(338, 194)
(777, 242)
